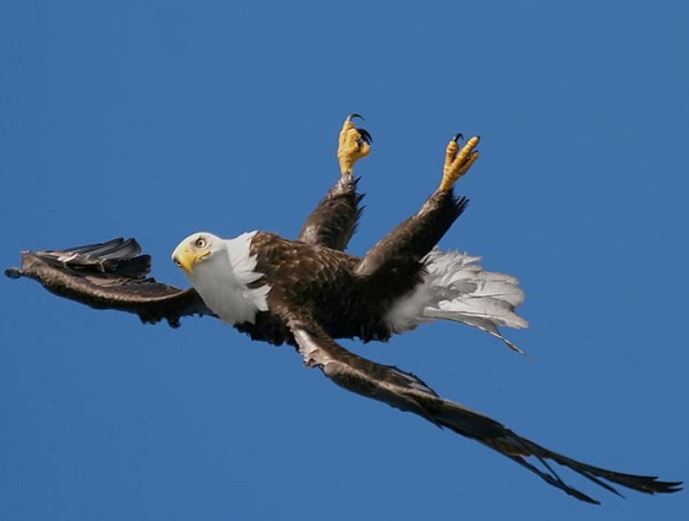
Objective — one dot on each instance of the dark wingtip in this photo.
(173, 322)
(13, 273)
(355, 115)
(458, 137)
(667, 487)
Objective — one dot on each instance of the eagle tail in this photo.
(457, 288)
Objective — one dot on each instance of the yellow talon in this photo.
(458, 164)
(353, 145)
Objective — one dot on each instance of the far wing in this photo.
(407, 392)
(111, 275)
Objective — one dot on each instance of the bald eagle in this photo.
(309, 292)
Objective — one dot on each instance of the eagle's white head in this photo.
(221, 270)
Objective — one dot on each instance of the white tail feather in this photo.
(456, 288)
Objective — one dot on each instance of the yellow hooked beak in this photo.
(186, 257)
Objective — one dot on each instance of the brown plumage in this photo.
(111, 275)
(336, 217)
(319, 293)
(407, 392)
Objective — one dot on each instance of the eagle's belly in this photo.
(267, 327)
(339, 321)
(323, 283)
(342, 306)
(354, 314)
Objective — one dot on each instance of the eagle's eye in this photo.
(200, 242)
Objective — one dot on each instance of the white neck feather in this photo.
(223, 279)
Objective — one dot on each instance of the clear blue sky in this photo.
(157, 119)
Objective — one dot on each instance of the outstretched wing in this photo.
(333, 222)
(407, 392)
(111, 275)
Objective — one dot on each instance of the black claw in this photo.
(458, 137)
(355, 115)
(365, 135)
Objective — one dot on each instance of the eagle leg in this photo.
(458, 162)
(333, 222)
(354, 144)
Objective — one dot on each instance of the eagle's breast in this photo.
(225, 282)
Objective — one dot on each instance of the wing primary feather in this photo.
(121, 247)
(557, 483)
(110, 275)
